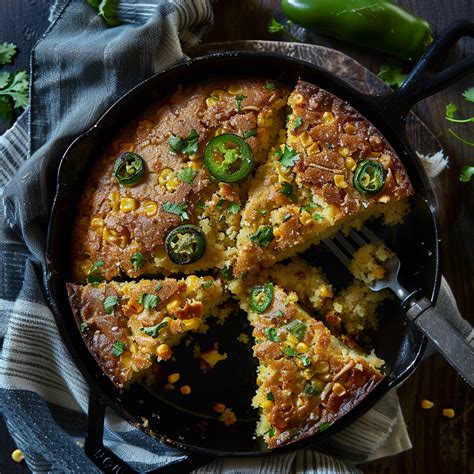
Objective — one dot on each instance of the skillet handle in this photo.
(423, 80)
(109, 462)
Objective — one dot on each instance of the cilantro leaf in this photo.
(249, 133)
(94, 275)
(187, 175)
(238, 101)
(13, 92)
(207, 284)
(84, 327)
(468, 94)
(227, 273)
(312, 390)
(392, 75)
(4, 79)
(149, 301)
(272, 334)
(154, 330)
(297, 328)
(451, 110)
(288, 157)
(178, 208)
(305, 360)
(324, 426)
(274, 26)
(7, 51)
(108, 11)
(287, 190)
(286, 217)
(109, 304)
(233, 207)
(271, 432)
(186, 146)
(158, 287)
(289, 351)
(317, 217)
(297, 123)
(270, 396)
(138, 260)
(270, 85)
(467, 172)
(117, 348)
(262, 236)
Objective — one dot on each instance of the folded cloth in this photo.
(79, 68)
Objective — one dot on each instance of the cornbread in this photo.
(368, 262)
(130, 326)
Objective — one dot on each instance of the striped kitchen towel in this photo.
(79, 68)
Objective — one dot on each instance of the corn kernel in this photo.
(292, 339)
(211, 101)
(134, 306)
(301, 348)
(338, 389)
(126, 358)
(173, 378)
(313, 149)
(97, 223)
(163, 351)
(267, 405)
(124, 241)
(110, 235)
(448, 412)
(185, 389)
(350, 163)
(194, 166)
(322, 367)
(150, 208)
(164, 176)
(17, 456)
(350, 129)
(172, 306)
(339, 181)
(114, 199)
(191, 324)
(327, 118)
(218, 407)
(308, 374)
(306, 219)
(217, 93)
(277, 234)
(379, 273)
(172, 183)
(326, 291)
(192, 282)
(306, 139)
(235, 89)
(343, 151)
(128, 204)
(427, 404)
(298, 99)
(287, 345)
(326, 377)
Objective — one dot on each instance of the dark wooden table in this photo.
(441, 445)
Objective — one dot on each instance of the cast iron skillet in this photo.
(190, 425)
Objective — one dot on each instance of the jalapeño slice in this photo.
(129, 168)
(185, 244)
(369, 177)
(261, 297)
(228, 158)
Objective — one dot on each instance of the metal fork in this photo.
(459, 352)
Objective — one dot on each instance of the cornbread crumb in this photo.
(209, 358)
(367, 262)
(243, 338)
(185, 389)
(228, 417)
(219, 407)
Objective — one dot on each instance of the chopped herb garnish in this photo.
(207, 284)
(117, 348)
(275, 26)
(84, 327)
(107, 10)
(467, 172)
(7, 51)
(227, 273)
(317, 217)
(308, 207)
(297, 328)
(287, 190)
(186, 146)
(154, 330)
(93, 275)
(468, 94)
(262, 236)
(289, 351)
(270, 85)
(297, 123)
(272, 334)
(392, 75)
(220, 203)
(286, 217)
(149, 301)
(451, 110)
(178, 208)
(187, 175)
(262, 212)
(238, 101)
(233, 207)
(138, 260)
(271, 432)
(249, 133)
(215, 97)
(279, 313)
(324, 426)
(288, 157)
(158, 287)
(270, 396)
(305, 360)
(109, 304)
(200, 205)
(287, 300)
(310, 389)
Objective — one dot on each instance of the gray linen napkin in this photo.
(78, 69)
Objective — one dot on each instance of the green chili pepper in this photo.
(375, 24)
(369, 177)
(185, 244)
(228, 158)
(129, 168)
(261, 297)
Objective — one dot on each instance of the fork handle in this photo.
(458, 351)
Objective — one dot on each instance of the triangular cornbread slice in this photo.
(128, 327)
(117, 222)
(307, 378)
(306, 190)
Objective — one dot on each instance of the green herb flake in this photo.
(238, 101)
(287, 190)
(109, 304)
(297, 123)
(305, 360)
(317, 217)
(288, 157)
(187, 175)
(312, 390)
(149, 301)
(271, 432)
(84, 327)
(233, 207)
(207, 284)
(451, 110)
(275, 26)
(7, 51)
(14, 92)
(154, 330)
(289, 351)
(466, 173)
(272, 334)
(227, 273)
(468, 94)
(200, 205)
(249, 133)
(178, 208)
(138, 260)
(279, 313)
(262, 236)
(117, 348)
(270, 86)
(186, 146)
(324, 426)
(158, 287)
(287, 300)
(392, 75)
(93, 275)
(108, 11)
(270, 396)
(286, 217)
(297, 328)
(262, 212)
(220, 203)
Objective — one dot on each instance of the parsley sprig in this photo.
(275, 26)
(186, 146)
(178, 208)
(107, 10)
(288, 157)
(392, 75)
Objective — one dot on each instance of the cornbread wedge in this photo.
(307, 378)
(128, 327)
(168, 184)
(334, 172)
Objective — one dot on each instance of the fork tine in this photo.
(370, 235)
(357, 238)
(344, 242)
(337, 252)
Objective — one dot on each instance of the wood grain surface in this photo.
(440, 445)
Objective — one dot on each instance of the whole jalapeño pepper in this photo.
(374, 24)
